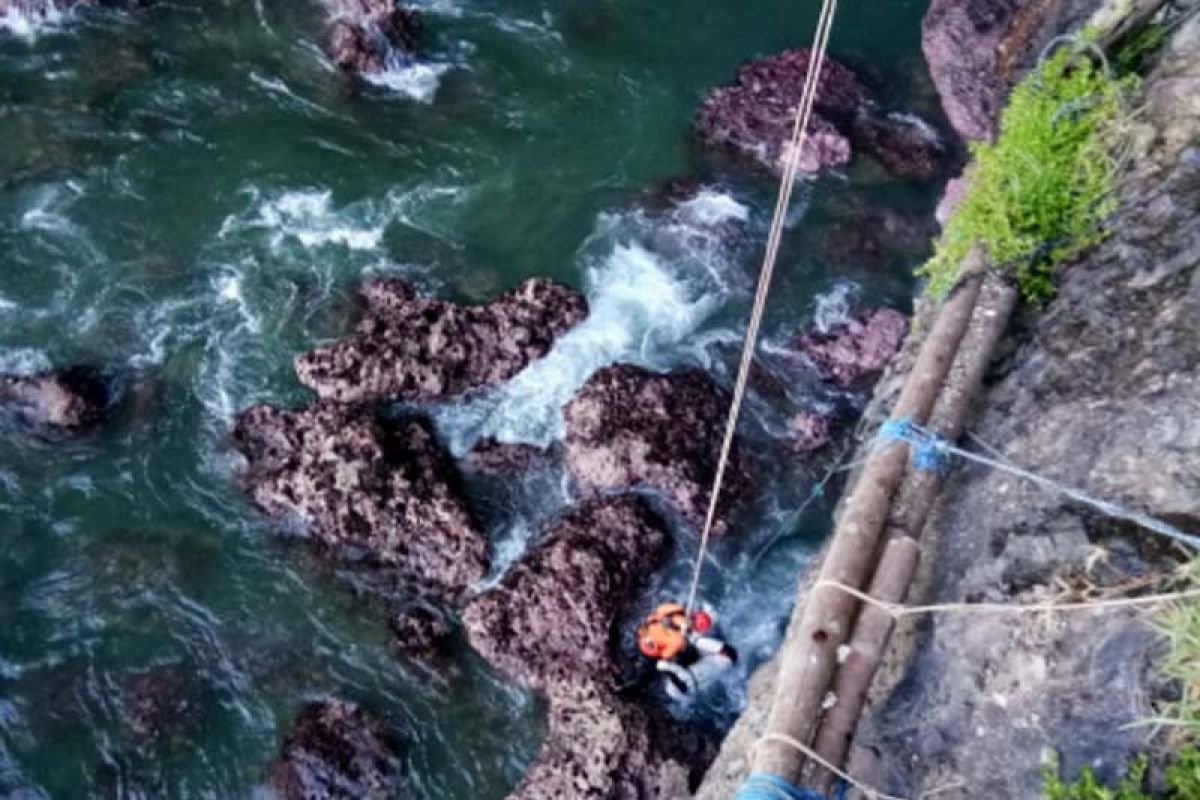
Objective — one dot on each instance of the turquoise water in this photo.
(188, 195)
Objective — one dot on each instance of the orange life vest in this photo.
(664, 634)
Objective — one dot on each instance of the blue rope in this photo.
(929, 452)
(765, 786)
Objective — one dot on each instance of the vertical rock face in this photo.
(337, 751)
(978, 49)
(364, 35)
(629, 427)
(551, 625)
(420, 348)
(71, 399)
(377, 491)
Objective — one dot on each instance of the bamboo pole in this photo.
(910, 512)
(809, 659)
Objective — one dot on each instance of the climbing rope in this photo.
(931, 452)
(791, 166)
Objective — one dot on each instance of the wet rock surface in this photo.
(490, 456)
(72, 399)
(374, 491)
(551, 617)
(754, 117)
(551, 624)
(857, 351)
(602, 747)
(365, 35)
(338, 751)
(810, 431)
(420, 348)
(632, 427)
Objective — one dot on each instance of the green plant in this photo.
(1137, 48)
(1039, 193)
(1183, 782)
(1180, 625)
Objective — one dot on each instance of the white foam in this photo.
(416, 81)
(711, 208)
(23, 361)
(308, 217)
(28, 23)
(833, 307)
(639, 312)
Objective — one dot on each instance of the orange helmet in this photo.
(663, 635)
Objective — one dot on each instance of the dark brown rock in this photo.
(907, 146)
(338, 751)
(602, 747)
(71, 399)
(551, 617)
(630, 427)
(858, 350)
(364, 35)
(380, 492)
(422, 633)
(754, 117)
(492, 457)
(420, 348)
(810, 431)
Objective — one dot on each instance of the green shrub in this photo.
(1039, 193)
(1183, 782)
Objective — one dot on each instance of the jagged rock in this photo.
(754, 119)
(364, 34)
(420, 348)
(71, 399)
(857, 350)
(490, 456)
(907, 146)
(602, 747)
(873, 236)
(338, 751)
(380, 492)
(630, 427)
(952, 197)
(810, 431)
(551, 617)
(161, 701)
(421, 632)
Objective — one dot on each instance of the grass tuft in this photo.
(1038, 194)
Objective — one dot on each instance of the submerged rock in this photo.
(376, 491)
(629, 427)
(422, 633)
(551, 617)
(420, 348)
(161, 701)
(857, 350)
(364, 35)
(602, 747)
(810, 431)
(338, 751)
(71, 399)
(490, 456)
(754, 118)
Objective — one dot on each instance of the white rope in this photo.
(791, 166)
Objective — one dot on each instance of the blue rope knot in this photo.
(928, 451)
(765, 786)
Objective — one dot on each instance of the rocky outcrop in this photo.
(754, 117)
(551, 624)
(338, 751)
(364, 36)
(978, 49)
(602, 747)
(858, 350)
(810, 431)
(71, 399)
(551, 617)
(376, 491)
(629, 427)
(420, 348)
